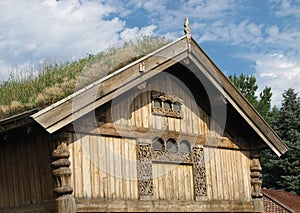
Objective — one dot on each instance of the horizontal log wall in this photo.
(25, 173)
(104, 168)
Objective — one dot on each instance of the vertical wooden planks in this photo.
(228, 168)
(225, 170)
(146, 109)
(31, 174)
(94, 168)
(71, 157)
(24, 168)
(77, 162)
(5, 177)
(213, 170)
(155, 181)
(107, 168)
(172, 182)
(228, 176)
(245, 162)
(40, 160)
(2, 166)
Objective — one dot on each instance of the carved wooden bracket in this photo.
(255, 169)
(65, 202)
(61, 170)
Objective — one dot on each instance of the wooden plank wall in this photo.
(25, 172)
(100, 171)
(134, 110)
(104, 167)
(227, 174)
(172, 182)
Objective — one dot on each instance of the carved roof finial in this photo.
(187, 28)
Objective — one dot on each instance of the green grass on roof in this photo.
(56, 81)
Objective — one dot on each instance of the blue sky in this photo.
(259, 37)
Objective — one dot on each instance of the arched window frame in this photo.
(158, 140)
(173, 143)
(166, 100)
(188, 145)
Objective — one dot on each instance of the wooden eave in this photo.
(102, 91)
(17, 121)
(236, 99)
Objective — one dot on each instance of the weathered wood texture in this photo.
(227, 174)
(64, 112)
(162, 206)
(234, 97)
(104, 168)
(173, 182)
(26, 183)
(134, 110)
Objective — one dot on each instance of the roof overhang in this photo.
(102, 91)
(17, 121)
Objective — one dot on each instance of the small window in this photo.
(167, 104)
(158, 144)
(177, 106)
(184, 146)
(171, 145)
(157, 103)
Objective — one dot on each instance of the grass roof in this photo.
(58, 80)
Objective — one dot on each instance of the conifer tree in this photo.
(247, 86)
(278, 173)
(284, 173)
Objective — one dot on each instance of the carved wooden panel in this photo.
(199, 173)
(166, 105)
(145, 171)
(177, 157)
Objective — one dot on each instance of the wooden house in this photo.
(167, 132)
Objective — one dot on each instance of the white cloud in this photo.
(129, 33)
(245, 33)
(283, 38)
(60, 30)
(73, 28)
(288, 8)
(278, 71)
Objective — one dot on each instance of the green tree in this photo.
(246, 84)
(284, 173)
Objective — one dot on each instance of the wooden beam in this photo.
(220, 81)
(109, 129)
(63, 112)
(17, 121)
(99, 205)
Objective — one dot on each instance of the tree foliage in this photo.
(284, 173)
(278, 173)
(246, 84)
